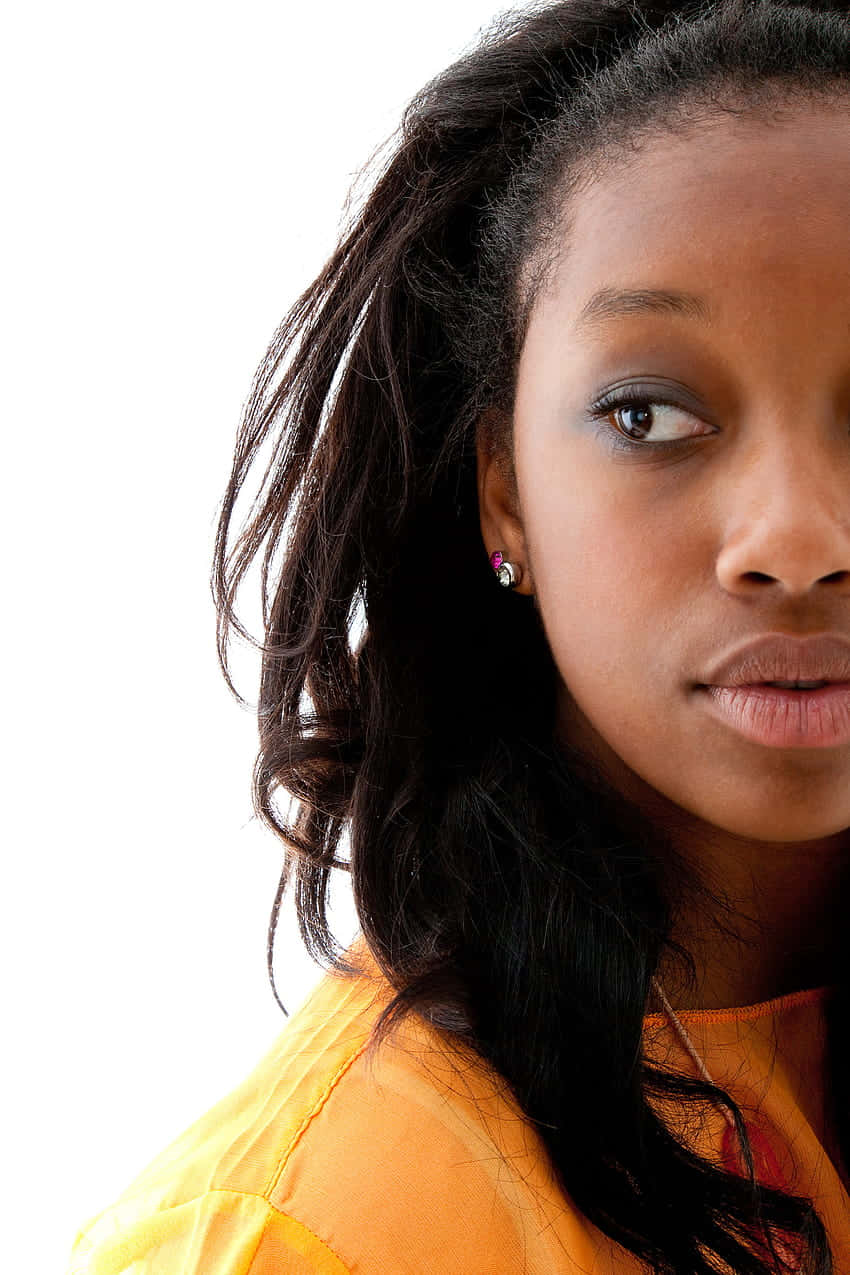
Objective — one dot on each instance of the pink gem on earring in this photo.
(495, 559)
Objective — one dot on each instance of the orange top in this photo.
(317, 1164)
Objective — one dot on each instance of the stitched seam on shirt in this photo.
(751, 1013)
(224, 1190)
(311, 1115)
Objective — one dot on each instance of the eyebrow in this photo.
(615, 303)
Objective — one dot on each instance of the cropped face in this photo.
(683, 468)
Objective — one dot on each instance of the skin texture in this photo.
(646, 566)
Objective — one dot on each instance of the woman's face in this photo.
(649, 564)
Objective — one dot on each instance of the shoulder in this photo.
(332, 1158)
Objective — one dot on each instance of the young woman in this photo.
(567, 418)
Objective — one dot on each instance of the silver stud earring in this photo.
(506, 573)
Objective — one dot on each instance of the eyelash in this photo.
(630, 397)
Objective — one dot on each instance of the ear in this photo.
(498, 500)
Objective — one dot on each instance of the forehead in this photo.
(732, 202)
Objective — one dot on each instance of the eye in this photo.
(637, 415)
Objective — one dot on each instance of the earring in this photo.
(506, 573)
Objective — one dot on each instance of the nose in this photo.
(788, 522)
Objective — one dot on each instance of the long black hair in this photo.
(406, 699)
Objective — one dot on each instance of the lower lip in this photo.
(785, 719)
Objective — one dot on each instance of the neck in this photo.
(771, 923)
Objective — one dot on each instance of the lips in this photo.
(779, 718)
(796, 686)
(779, 657)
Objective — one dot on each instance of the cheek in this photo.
(614, 579)
(603, 565)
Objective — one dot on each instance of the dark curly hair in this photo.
(502, 885)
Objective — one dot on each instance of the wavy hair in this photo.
(406, 699)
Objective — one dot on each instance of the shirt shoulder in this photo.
(216, 1233)
(333, 1158)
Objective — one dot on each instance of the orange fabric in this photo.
(319, 1164)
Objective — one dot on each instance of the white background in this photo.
(174, 174)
